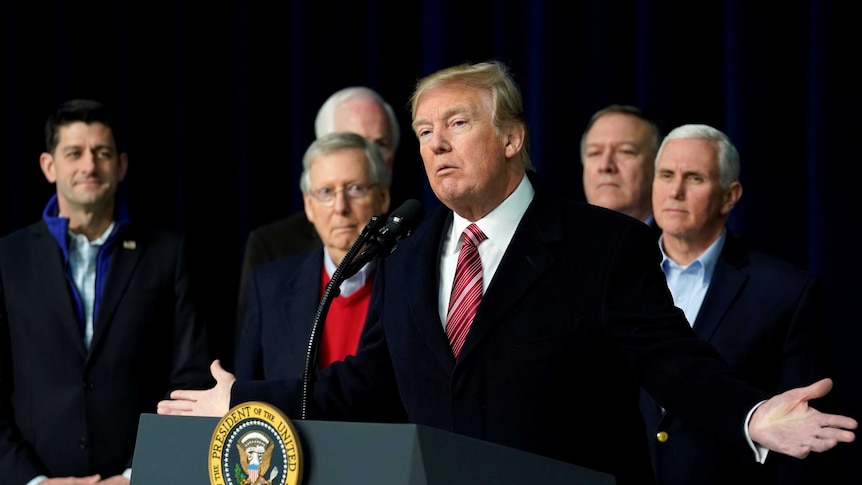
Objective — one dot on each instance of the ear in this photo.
(309, 212)
(514, 140)
(123, 166)
(731, 197)
(46, 162)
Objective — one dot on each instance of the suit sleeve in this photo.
(359, 388)
(806, 357)
(248, 354)
(191, 358)
(683, 373)
(255, 254)
(18, 462)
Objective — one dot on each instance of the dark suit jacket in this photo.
(765, 317)
(66, 411)
(576, 317)
(284, 237)
(283, 299)
(654, 227)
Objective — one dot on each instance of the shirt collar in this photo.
(96, 242)
(707, 259)
(354, 281)
(499, 224)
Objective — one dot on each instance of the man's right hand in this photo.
(211, 402)
(91, 480)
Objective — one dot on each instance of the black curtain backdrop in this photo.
(218, 101)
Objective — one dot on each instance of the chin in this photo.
(344, 244)
(672, 230)
(612, 204)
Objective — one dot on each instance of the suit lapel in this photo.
(526, 259)
(726, 284)
(49, 270)
(299, 318)
(422, 251)
(124, 260)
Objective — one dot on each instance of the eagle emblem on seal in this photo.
(255, 444)
(255, 453)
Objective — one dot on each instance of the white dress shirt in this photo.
(499, 225)
(350, 285)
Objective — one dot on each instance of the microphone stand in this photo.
(345, 270)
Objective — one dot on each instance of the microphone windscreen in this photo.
(409, 214)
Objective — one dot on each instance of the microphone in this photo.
(379, 240)
(400, 224)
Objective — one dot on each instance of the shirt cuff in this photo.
(760, 452)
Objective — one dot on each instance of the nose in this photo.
(676, 189)
(607, 164)
(340, 203)
(87, 162)
(438, 143)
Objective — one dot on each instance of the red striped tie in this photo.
(466, 289)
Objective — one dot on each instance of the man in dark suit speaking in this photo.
(542, 349)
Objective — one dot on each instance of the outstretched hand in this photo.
(115, 480)
(211, 402)
(787, 424)
(90, 480)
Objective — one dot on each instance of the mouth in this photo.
(671, 210)
(444, 169)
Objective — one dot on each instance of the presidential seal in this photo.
(255, 444)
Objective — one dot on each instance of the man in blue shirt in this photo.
(97, 320)
(763, 315)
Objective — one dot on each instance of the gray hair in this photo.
(728, 156)
(324, 123)
(378, 171)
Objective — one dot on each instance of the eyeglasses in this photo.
(326, 195)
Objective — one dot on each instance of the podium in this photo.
(174, 449)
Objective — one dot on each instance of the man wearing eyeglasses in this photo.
(356, 109)
(344, 183)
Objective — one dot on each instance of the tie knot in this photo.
(473, 235)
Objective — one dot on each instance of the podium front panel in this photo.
(175, 449)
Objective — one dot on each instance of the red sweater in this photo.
(344, 323)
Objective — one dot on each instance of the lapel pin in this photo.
(129, 245)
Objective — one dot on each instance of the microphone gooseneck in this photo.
(331, 291)
(378, 239)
